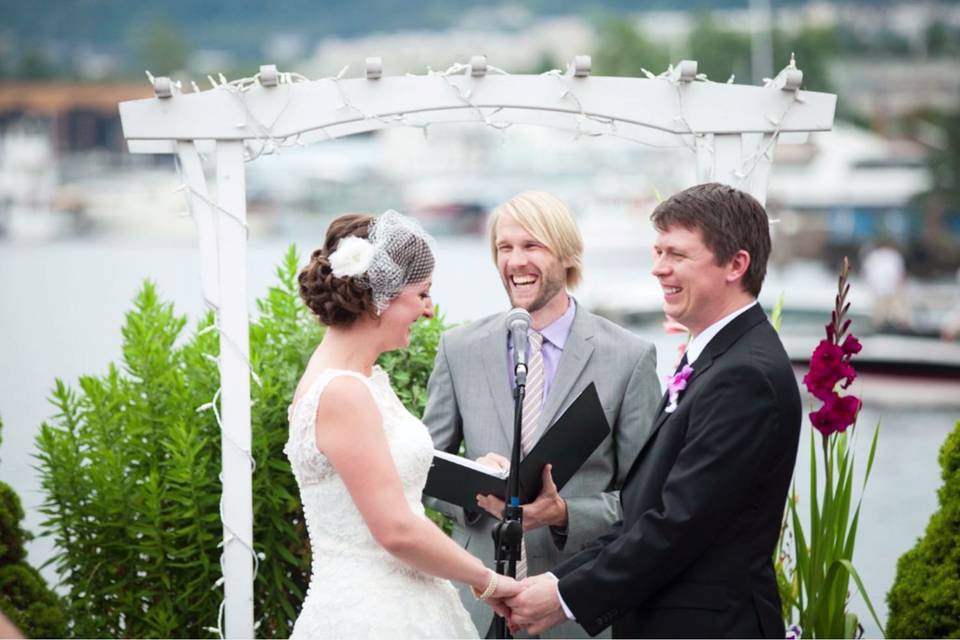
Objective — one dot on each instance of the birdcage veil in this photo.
(398, 252)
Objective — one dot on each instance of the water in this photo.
(64, 303)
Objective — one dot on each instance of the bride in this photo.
(380, 567)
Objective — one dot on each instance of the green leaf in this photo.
(776, 315)
(863, 592)
(850, 625)
(130, 469)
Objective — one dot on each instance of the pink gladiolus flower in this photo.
(672, 326)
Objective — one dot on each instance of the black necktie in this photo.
(683, 363)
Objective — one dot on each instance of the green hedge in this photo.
(130, 468)
(925, 598)
(24, 595)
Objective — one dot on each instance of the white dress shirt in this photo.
(696, 345)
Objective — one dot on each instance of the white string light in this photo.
(186, 187)
(230, 536)
(465, 97)
(270, 143)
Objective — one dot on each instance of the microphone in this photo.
(518, 324)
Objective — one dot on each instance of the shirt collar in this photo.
(698, 344)
(557, 332)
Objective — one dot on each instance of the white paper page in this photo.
(471, 464)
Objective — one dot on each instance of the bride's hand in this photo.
(507, 587)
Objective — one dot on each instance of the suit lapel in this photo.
(714, 349)
(494, 355)
(702, 364)
(576, 354)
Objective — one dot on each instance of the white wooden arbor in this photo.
(731, 130)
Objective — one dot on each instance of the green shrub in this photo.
(130, 468)
(24, 595)
(925, 598)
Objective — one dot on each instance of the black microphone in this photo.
(518, 324)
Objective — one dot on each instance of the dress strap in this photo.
(311, 397)
(301, 443)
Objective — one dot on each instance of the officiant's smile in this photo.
(532, 274)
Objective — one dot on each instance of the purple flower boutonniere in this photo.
(675, 384)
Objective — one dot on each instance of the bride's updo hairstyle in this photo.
(363, 264)
(336, 301)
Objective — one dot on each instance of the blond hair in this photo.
(545, 217)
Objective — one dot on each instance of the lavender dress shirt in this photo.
(555, 337)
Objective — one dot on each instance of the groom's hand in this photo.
(537, 607)
(547, 509)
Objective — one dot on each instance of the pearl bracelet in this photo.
(491, 587)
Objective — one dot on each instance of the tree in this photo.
(813, 47)
(24, 595)
(719, 52)
(34, 65)
(925, 598)
(942, 200)
(625, 50)
(163, 50)
(941, 39)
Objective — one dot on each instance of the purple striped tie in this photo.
(532, 407)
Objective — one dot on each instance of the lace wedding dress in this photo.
(357, 589)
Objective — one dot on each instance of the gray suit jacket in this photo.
(470, 401)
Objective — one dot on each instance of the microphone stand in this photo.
(508, 533)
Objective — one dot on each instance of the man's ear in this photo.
(738, 265)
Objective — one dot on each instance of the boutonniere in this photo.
(675, 384)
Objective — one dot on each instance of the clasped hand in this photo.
(547, 509)
(532, 604)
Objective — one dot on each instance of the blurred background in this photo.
(83, 222)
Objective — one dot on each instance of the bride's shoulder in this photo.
(339, 384)
(345, 388)
(346, 413)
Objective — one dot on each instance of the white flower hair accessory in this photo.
(352, 257)
(398, 253)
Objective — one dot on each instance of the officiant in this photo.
(538, 252)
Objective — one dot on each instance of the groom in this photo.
(704, 499)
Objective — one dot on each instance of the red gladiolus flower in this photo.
(828, 366)
(836, 414)
(851, 346)
(826, 356)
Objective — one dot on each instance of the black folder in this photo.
(566, 445)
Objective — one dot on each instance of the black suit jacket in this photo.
(702, 503)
